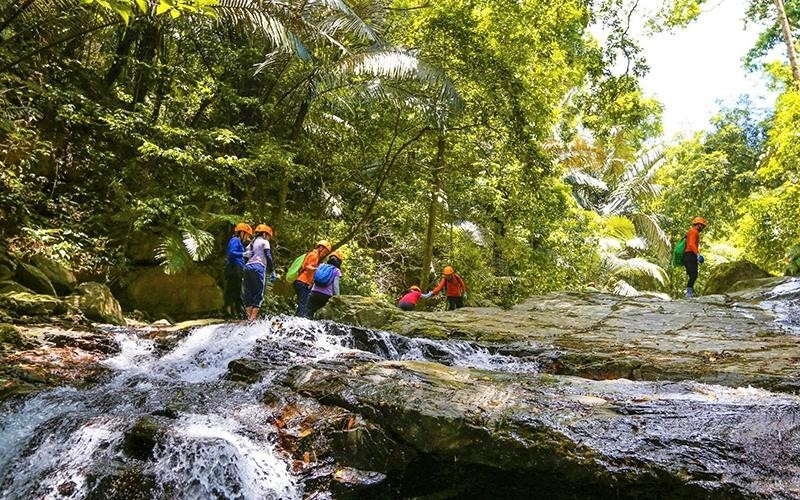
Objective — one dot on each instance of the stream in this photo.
(67, 442)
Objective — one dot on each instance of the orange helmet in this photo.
(337, 254)
(243, 227)
(699, 220)
(324, 243)
(263, 228)
(415, 288)
(448, 270)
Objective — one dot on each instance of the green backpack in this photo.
(677, 252)
(294, 270)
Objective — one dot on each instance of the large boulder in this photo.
(724, 277)
(62, 279)
(33, 278)
(181, 295)
(97, 303)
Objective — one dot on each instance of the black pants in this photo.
(406, 306)
(455, 302)
(690, 262)
(233, 289)
(316, 301)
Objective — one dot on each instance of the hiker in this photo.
(259, 261)
(234, 270)
(326, 283)
(305, 279)
(691, 254)
(455, 289)
(409, 300)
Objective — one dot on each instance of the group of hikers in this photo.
(249, 259)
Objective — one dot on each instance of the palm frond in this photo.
(393, 64)
(277, 21)
(623, 288)
(172, 255)
(199, 244)
(649, 227)
(620, 227)
(342, 19)
(635, 268)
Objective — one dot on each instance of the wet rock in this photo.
(246, 370)
(62, 279)
(97, 303)
(67, 488)
(356, 310)
(34, 279)
(349, 483)
(142, 437)
(125, 483)
(724, 277)
(750, 335)
(87, 341)
(606, 439)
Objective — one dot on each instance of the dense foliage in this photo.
(492, 136)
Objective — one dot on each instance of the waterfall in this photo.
(218, 443)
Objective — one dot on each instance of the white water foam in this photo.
(208, 457)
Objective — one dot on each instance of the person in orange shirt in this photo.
(691, 255)
(455, 289)
(305, 280)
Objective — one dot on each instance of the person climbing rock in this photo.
(409, 300)
(305, 280)
(691, 254)
(234, 271)
(326, 283)
(455, 289)
(259, 261)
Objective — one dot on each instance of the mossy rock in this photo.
(97, 303)
(11, 336)
(32, 304)
(724, 276)
(9, 286)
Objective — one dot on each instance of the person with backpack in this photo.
(691, 253)
(259, 261)
(455, 289)
(305, 278)
(326, 283)
(409, 300)
(234, 271)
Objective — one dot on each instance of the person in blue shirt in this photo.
(259, 261)
(234, 270)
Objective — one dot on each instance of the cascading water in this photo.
(219, 441)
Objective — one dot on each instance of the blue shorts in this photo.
(254, 285)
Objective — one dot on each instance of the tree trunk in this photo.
(145, 55)
(120, 56)
(283, 193)
(787, 35)
(433, 210)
